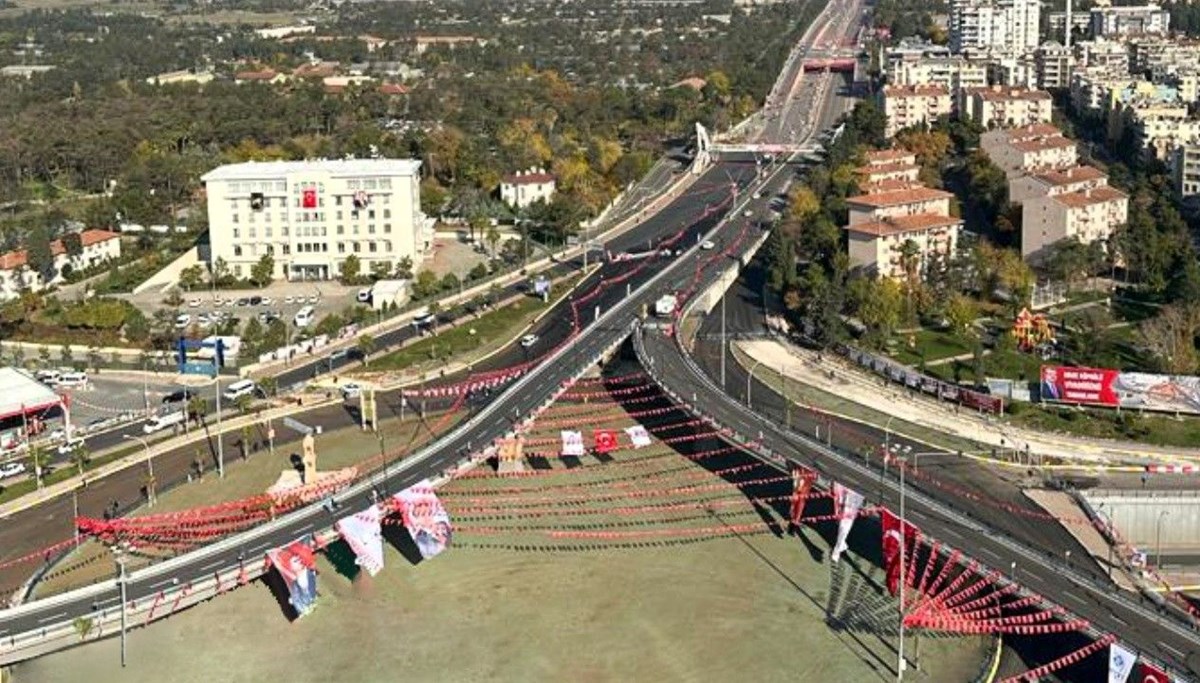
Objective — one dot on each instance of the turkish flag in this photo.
(892, 538)
(802, 481)
(1153, 674)
(605, 439)
(309, 200)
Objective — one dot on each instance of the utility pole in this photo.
(723, 349)
(220, 443)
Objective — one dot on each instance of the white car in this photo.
(706, 244)
(758, 195)
(267, 301)
(289, 299)
(194, 303)
(70, 447)
(351, 390)
(182, 321)
(57, 435)
(364, 295)
(747, 213)
(313, 300)
(11, 469)
(529, 340)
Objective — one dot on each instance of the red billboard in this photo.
(1079, 385)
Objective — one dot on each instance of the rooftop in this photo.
(528, 178)
(1044, 143)
(1033, 130)
(904, 224)
(899, 197)
(881, 168)
(887, 156)
(998, 93)
(915, 90)
(1074, 174)
(1097, 195)
(20, 392)
(260, 170)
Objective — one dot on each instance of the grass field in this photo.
(660, 563)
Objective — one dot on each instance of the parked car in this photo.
(256, 301)
(529, 340)
(364, 295)
(178, 396)
(69, 447)
(73, 379)
(182, 321)
(243, 301)
(351, 390)
(194, 303)
(11, 469)
(706, 244)
(267, 301)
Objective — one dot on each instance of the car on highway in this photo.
(160, 422)
(73, 379)
(11, 469)
(529, 340)
(69, 447)
(182, 321)
(707, 244)
(351, 390)
(178, 396)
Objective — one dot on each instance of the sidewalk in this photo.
(832, 375)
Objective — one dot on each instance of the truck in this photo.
(665, 306)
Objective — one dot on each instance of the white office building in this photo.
(310, 215)
(1121, 21)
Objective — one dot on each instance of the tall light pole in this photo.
(1158, 538)
(150, 493)
(220, 443)
(901, 664)
(118, 552)
(749, 379)
(723, 349)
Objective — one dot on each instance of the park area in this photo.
(669, 561)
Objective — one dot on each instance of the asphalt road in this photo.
(692, 213)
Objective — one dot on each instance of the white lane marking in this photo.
(1172, 650)
(1074, 597)
(989, 553)
(53, 618)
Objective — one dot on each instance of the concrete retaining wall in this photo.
(1136, 513)
(169, 275)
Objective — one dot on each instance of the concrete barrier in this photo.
(169, 274)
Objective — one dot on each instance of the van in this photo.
(73, 379)
(49, 377)
(238, 389)
(304, 317)
(160, 422)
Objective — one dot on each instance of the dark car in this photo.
(255, 300)
(178, 396)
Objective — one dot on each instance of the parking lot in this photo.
(280, 299)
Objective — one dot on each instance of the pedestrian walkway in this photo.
(833, 375)
(1063, 506)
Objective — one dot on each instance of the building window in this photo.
(233, 218)
(237, 270)
(287, 249)
(237, 250)
(267, 232)
(341, 230)
(237, 234)
(341, 247)
(271, 249)
(371, 214)
(387, 228)
(387, 213)
(337, 201)
(339, 213)
(371, 245)
(371, 229)
(252, 233)
(357, 247)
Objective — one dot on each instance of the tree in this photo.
(351, 269)
(39, 254)
(365, 346)
(404, 268)
(173, 298)
(450, 282)
(803, 204)
(380, 270)
(136, 327)
(72, 244)
(81, 456)
(269, 384)
(221, 275)
(477, 223)
(425, 285)
(191, 277)
(243, 403)
(881, 309)
(197, 407)
(478, 272)
(93, 357)
(960, 314)
(66, 354)
(1170, 337)
(492, 237)
(263, 272)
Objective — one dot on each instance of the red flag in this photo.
(802, 481)
(309, 199)
(1153, 674)
(892, 538)
(605, 439)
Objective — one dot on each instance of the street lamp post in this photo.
(150, 493)
(749, 379)
(1158, 538)
(220, 442)
(119, 556)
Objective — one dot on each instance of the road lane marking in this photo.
(989, 553)
(1172, 650)
(1074, 597)
(60, 615)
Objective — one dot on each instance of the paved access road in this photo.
(993, 536)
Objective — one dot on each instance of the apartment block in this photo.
(1120, 22)
(1104, 58)
(309, 216)
(953, 73)
(97, 247)
(1089, 215)
(907, 106)
(1185, 168)
(1004, 107)
(888, 168)
(1052, 65)
(883, 223)
(1028, 148)
(994, 26)
(1046, 183)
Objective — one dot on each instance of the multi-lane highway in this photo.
(694, 214)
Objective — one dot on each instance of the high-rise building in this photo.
(997, 26)
(309, 216)
(1117, 22)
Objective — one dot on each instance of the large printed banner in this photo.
(296, 564)
(572, 442)
(1152, 674)
(896, 534)
(605, 440)
(426, 520)
(847, 503)
(638, 436)
(364, 536)
(1107, 387)
(1120, 663)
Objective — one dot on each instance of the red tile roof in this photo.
(998, 93)
(19, 257)
(1033, 130)
(915, 90)
(899, 197)
(887, 156)
(904, 224)
(1044, 143)
(261, 75)
(1096, 195)
(882, 168)
(888, 185)
(392, 89)
(1074, 174)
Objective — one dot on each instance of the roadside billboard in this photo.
(1113, 388)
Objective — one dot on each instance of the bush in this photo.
(98, 314)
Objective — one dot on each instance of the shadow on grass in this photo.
(342, 557)
(398, 537)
